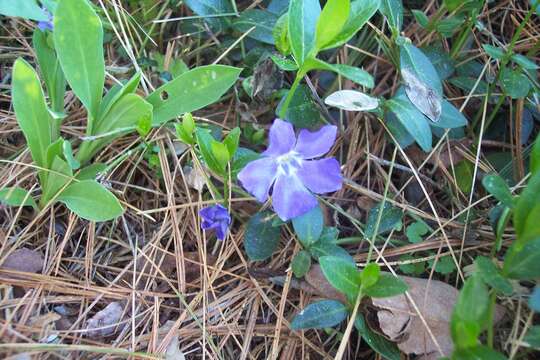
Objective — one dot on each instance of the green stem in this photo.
(283, 111)
(491, 312)
(460, 42)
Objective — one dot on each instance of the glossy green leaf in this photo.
(59, 175)
(205, 141)
(522, 262)
(414, 60)
(302, 111)
(232, 140)
(50, 68)
(261, 238)
(352, 73)
(495, 52)
(27, 9)
(301, 263)
(308, 227)
(497, 187)
(389, 219)
(191, 91)
(78, 38)
(333, 17)
(320, 315)
(284, 63)
(393, 11)
(420, 18)
(450, 117)
(491, 274)
(524, 62)
(370, 275)
(31, 110)
(342, 275)
(384, 347)
(220, 154)
(303, 15)
(118, 92)
(280, 33)
(412, 120)
(470, 313)
(16, 196)
(515, 84)
(262, 20)
(527, 200)
(91, 201)
(211, 10)
(68, 155)
(360, 12)
(386, 286)
(320, 249)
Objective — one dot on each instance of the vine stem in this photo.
(283, 111)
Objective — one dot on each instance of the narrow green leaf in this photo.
(495, 52)
(342, 275)
(333, 17)
(232, 140)
(524, 62)
(420, 18)
(31, 111)
(260, 238)
(387, 286)
(393, 11)
(78, 38)
(308, 227)
(118, 92)
(301, 263)
(27, 9)
(526, 201)
(352, 73)
(497, 187)
(221, 154)
(320, 315)
(491, 274)
(68, 155)
(91, 201)
(303, 15)
(16, 196)
(387, 349)
(191, 91)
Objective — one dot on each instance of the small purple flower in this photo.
(289, 167)
(46, 25)
(216, 217)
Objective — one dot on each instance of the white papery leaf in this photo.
(422, 96)
(351, 100)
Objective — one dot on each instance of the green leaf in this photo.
(389, 219)
(412, 267)
(533, 336)
(191, 91)
(303, 15)
(497, 187)
(412, 120)
(527, 200)
(522, 262)
(284, 63)
(261, 238)
(281, 35)
(333, 17)
(450, 118)
(352, 73)
(491, 274)
(91, 171)
(264, 22)
(515, 84)
(360, 12)
(242, 157)
(210, 11)
(220, 154)
(302, 111)
(301, 263)
(16, 196)
(91, 201)
(416, 230)
(31, 110)
(342, 275)
(51, 71)
(524, 62)
(444, 266)
(479, 352)
(415, 61)
(387, 286)
(68, 155)
(205, 141)
(534, 300)
(78, 39)
(495, 52)
(464, 176)
(370, 275)
(232, 140)
(384, 347)
(59, 175)
(320, 315)
(308, 227)
(117, 92)
(27, 9)
(470, 313)
(393, 11)
(420, 18)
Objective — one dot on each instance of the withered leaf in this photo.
(24, 260)
(105, 322)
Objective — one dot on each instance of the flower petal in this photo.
(321, 176)
(314, 144)
(281, 138)
(258, 176)
(290, 198)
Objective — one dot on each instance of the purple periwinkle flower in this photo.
(46, 25)
(216, 217)
(290, 171)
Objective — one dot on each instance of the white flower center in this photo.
(289, 163)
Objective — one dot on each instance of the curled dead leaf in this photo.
(105, 322)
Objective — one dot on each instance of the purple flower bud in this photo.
(46, 25)
(216, 217)
(290, 171)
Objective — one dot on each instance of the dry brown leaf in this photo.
(44, 320)
(104, 322)
(173, 350)
(24, 260)
(194, 178)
